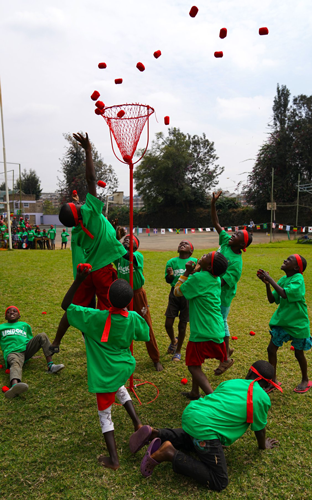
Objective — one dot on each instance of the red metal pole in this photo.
(131, 251)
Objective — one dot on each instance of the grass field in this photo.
(50, 437)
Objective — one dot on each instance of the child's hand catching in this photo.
(263, 276)
(83, 270)
(189, 268)
(83, 141)
(120, 232)
(216, 196)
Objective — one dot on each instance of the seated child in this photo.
(216, 420)
(231, 247)
(140, 303)
(94, 234)
(108, 336)
(52, 235)
(18, 345)
(64, 236)
(177, 306)
(290, 320)
(203, 291)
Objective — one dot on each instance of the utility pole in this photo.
(5, 175)
(271, 230)
(297, 211)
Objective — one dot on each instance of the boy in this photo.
(203, 290)
(177, 306)
(108, 336)
(290, 320)
(19, 345)
(94, 235)
(45, 239)
(216, 420)
(231, 247)
(140, 303)
(15, 239)
(31, 237)
(51, 235)
(64, 236)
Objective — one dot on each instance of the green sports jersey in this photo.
(77, 252)
(104, 248)
(3, 228)
(203, 291)
(122, 266)
(64, 237)
(14, 337)
(292, 312)
(233, 272)
(52, 233)
(178, 266)
(22, 224)
(110, 363)
(223, 414)
(6, 236)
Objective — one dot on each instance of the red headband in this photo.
(135, 239)
(79, 221)
(192, 247)
(246, 239)
(212, 257)
(299, 262)
(10, 308)
(250, 392)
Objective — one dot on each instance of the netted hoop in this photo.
(127, 127)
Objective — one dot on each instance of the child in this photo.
(108, 336)
(177, 306)
(64, 236)
(203, 290)
(15, 239)
(51, 235)
(231, 247)
(214, 421)
(6, 239)
(140, 303)
(45, 239)
(31, 237)
(94, 235)
(18, 345)
(290, 320)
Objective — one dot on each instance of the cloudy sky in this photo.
(49, 53)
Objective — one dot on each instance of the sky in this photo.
(49, 55)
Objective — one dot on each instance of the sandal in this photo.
(176, 357)
(148, 463)
(140, 438)
(223, 367)
(172, 347)
(54, 349)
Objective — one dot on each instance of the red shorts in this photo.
(97, 283)
(105, 400)
(197, 352)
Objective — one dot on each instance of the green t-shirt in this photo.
(31, 235)
(6, 236)
(203, 291)
(14, 337)
(52, 233)
(223, 414)
(77, 252)
(233, 272)
(292, 313)
(22, 224)
(3, 228)
(104, 248)
(122, 266)
(178, 266)
(64, 237)
(110, 363)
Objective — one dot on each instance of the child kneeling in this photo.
(109, 359)
(19, 345)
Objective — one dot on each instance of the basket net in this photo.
(127, 129)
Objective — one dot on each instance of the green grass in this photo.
(50, 437)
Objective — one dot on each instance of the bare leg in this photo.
(165, 453)
(129, 407)
(272, 354)
(112, 461)
(169, 329)
(194, 393)
(199, 379)
(62, 329)
(181, 336)
(304, 369)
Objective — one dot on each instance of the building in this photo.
(29, 207)
(137, 201)
(54, 198)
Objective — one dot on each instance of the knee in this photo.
(223, 483)
(43, 338)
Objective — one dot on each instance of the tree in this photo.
(30, 183)
(178, 170)
(288, 150)
(73, 168)
(49, 208)
(2, 186)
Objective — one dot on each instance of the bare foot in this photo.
(165, 453)
(303, 385)
(108, 463)
(191, 395)
(158, 366)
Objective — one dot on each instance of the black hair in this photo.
(66, 216)
(304, 263)
(120, 293)
(249, 239)
(220, 264)
(264, 368)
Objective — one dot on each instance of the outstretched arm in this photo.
(263, 442)
(214, 216)
(266, 278)
(90, 170)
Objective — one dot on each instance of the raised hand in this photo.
(216, 196)
(83, 141)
